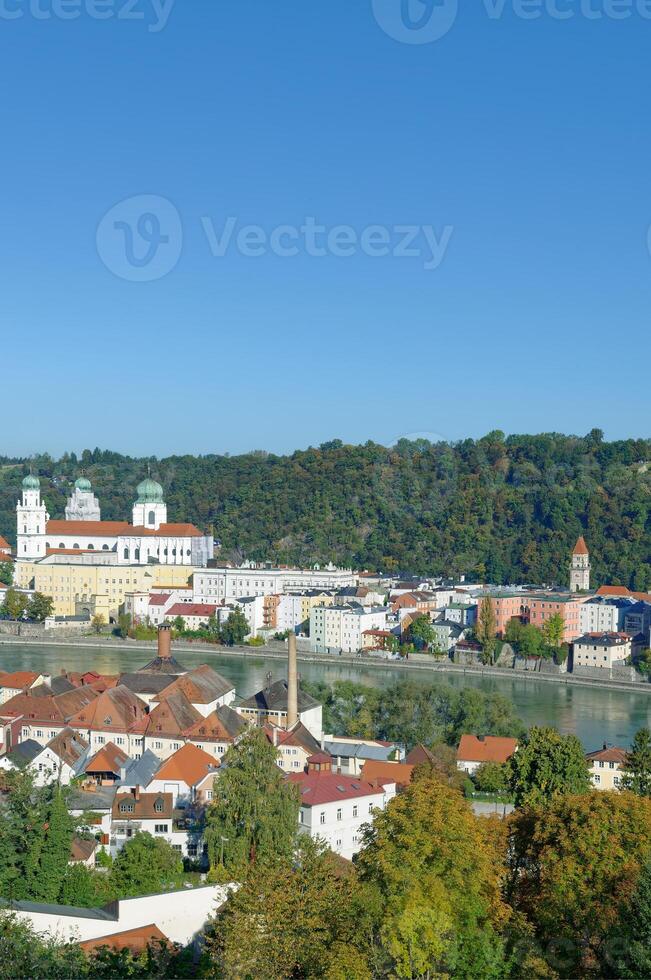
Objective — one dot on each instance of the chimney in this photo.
(165, 641)
(136, 793)
(292, 681)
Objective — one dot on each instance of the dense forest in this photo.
(502, 508)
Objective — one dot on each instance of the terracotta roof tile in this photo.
(489, 748)
(399, 773)
(580, 548)
(135, 940)
(189, 764)
(316, 788)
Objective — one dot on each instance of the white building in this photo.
(603, 614)
(135, 812)
(334, 807)
(62, 759)
(605, 650)
(150, 538)
(215, 585)
(335, 628)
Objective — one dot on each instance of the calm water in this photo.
(595, 715)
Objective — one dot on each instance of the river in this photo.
(596, 715)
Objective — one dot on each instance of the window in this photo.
(159, 805)
(339, 814)
(151, 517)
(597, 779)
(322, 817)
(355, 810)
(160, 828)
(126, 807)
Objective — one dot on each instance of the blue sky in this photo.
(527, 139)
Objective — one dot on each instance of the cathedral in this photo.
(148, 539)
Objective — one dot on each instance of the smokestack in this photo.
(165, 641)
(292, 681)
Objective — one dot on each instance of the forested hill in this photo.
(508, 508)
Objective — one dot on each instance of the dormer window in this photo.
(126, 807)
(108, 720)
(159, 805)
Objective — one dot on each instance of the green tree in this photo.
(98, 622)
(554, 630)
(486, 629)
(23, 953)
(574, 865)
(235, 629)
(631, 957)
(40, 607)
(637, 768)
(6, 572)
(254, 813)
(23, 819)
(55, 850)
(491, 777)
(178, 625)
(85, 887)
(441, 906)
(546, 765)
(124, 625)
(421, 629)
(302, 918)
(14, 605)
(145, 865)
(531, 641)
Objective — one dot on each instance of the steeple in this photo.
(83, 505)
(31, 521)
(580, 567)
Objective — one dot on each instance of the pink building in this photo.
(536, 608)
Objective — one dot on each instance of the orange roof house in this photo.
(188, 765)
(107, 762)
(134, 940)
(475, 750)
(376, 770)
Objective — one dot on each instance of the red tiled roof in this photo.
(158, 599)
(20, 680)
(110, 758)
(83, 529)
(489, 748)
(135, 940)
(327, 787)
(399, 773)
(191, 609)
(612, 754)
(4, 545)
(580, 548)
(621, 590)
(189, 764)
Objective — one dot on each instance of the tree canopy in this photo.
(546, 765)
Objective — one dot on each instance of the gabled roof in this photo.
(110, 758)
(139, 772)
(298, 735)
(201, 609)
(116, 709)
(81, 849)
(57, 709)
(621, 590)
(200, 686)
(486, 748)
(136, 940)
(68, 745)
(158, 599)
(172, 717)
(604, 639)
(142, 682)
(274, 699)
(419, 755)
(146, 806)
(316, 788)
(94, 529)
(221, 725)
(189, 765)
(19, 680)
(24, 753)
(399, 773)
(608, 754)
(4, 546)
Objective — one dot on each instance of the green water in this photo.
(596, 715)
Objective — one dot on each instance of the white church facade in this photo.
(149, 539)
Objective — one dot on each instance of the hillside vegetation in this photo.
(504, 508)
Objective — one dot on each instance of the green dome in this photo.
(83, 484)
(150, 492)
(31, 482)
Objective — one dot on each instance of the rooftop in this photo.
(274, 698)
(486, 748)
(317, 788)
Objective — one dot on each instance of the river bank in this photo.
(278, 651)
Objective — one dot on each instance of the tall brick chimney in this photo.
(292, 681)
(165, 641)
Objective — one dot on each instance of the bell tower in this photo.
(580, 567)
(31, 521)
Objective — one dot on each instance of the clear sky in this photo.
(519, 151)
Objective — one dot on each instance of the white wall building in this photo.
(605, 650)
(603, 614)
(334, 628)
(334, 807)
(215, 585)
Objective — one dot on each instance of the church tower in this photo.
(83, 505)
(31, 521)
(580, 567)
(149, 510)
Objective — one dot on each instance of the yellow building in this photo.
(315, 598)
(86, 580)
